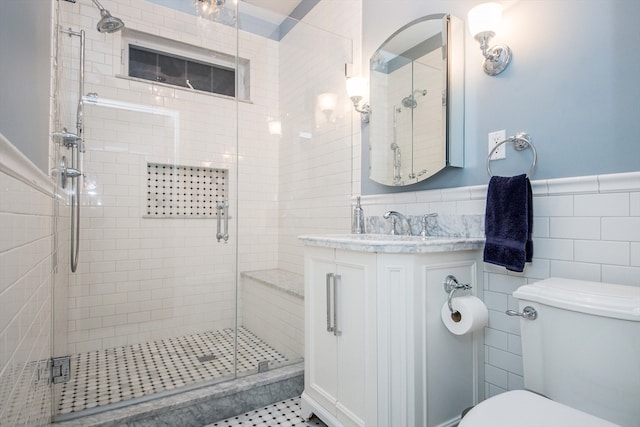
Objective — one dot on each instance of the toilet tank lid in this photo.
(600, 299)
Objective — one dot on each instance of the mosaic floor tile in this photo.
(281, 414)
(112, 375)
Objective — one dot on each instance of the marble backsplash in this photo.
(441, 225)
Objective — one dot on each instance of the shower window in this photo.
(155, 66)
(165, 61)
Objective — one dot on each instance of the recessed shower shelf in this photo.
(178, 191)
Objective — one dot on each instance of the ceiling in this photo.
(281, 7)
(267, 18)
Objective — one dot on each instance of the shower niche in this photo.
(177, 191)
(416, 79)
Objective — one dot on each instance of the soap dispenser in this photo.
(357, 226)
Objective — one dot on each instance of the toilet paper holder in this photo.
(451, 285)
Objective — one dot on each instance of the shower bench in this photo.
(272, 307)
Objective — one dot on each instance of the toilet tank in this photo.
(583, 349)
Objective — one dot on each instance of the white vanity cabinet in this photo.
(391, 361)
(340, 338)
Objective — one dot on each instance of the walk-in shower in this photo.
(179, 283)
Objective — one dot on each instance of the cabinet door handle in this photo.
(329, 278)
(336, 278)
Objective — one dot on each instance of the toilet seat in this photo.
(526, 409)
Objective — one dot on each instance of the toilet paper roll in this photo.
(470, 314)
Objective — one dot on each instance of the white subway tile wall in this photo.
(584, 228)
(316, 172)
(142, 279)
(26, 214)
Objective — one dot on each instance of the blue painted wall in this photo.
(573, 84)
(25, 63)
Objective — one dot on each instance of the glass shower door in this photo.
(294, 168)
(151, 307)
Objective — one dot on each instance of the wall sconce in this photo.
(483, 22)
(356, 87)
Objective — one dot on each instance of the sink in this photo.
(388, 243)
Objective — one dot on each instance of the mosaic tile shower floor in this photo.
(113, 375)
(281, 414)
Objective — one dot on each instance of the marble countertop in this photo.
(387, 243)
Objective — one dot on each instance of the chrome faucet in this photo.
(395, 216)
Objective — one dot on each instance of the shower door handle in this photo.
(218, 220)
(222, 208)
(225, 236)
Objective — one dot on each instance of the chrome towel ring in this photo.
(521, 141)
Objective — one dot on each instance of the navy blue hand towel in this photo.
(508, 222)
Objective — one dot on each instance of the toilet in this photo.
(581, 358)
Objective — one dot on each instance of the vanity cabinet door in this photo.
(321, 357)
(356, 338)
(340, 380)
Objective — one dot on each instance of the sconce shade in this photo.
(484, 17)
(356, 87)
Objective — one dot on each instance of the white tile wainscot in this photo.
(26, 263)
(374, 341)
(579, 223)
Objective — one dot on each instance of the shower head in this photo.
(107, 23)
(410, 101)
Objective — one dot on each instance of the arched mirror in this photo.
(417, 79)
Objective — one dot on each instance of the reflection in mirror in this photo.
(416, 96)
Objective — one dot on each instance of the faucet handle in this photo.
(425, 220)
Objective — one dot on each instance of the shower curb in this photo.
(205, 405)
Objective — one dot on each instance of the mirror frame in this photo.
(454, 122)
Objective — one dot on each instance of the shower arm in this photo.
(99, 6)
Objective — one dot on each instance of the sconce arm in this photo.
(364, 111)
(483, 38)
(497, 57)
